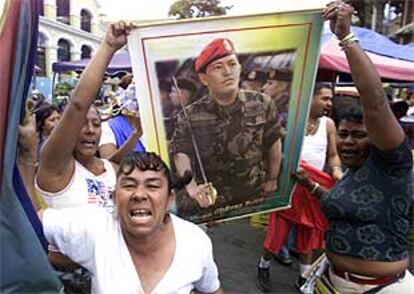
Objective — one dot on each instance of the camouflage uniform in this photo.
(282, 105)
(233, 142)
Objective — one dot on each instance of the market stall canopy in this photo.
(393, 61)
(120, 62)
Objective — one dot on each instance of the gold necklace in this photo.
(311, 127)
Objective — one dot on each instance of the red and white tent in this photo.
(393, 61)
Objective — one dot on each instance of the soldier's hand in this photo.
(199, 193)
(269, 186)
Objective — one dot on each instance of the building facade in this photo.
(69, 30)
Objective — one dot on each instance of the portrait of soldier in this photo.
(277, 86)
(236, 133)
(253, 80)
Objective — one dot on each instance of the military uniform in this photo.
(232, 141)
(281, 100)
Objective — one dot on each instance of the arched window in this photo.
(62, 11)
(63, 50)
(41, 55)
(86, 20)
(86, 52)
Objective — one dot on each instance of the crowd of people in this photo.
(105, 201)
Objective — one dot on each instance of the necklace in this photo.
(311, 127)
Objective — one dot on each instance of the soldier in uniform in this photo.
(236, 131)
(188, 93)
(277, 86)
(253, 80)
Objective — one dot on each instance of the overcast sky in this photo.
(158, 9)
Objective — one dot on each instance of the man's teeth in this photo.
(140, 212)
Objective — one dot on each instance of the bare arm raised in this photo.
(384, 130)
(57, 157)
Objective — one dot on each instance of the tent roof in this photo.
(392, 60)
(377, 43)
(120, 62)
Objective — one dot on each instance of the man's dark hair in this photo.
(322, 85)
(399, 109)
(151, 161)
(353, 114)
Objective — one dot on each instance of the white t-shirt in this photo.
(84, 188)
(93, 239)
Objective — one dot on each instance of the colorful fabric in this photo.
(305, 213)
(305, 208)
(307, 238)
(27, 267)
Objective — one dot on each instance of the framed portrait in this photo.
(218, 97)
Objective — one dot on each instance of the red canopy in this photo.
(333, 58)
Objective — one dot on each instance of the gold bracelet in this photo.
(347, 37)
(314, 188)
(348, 40)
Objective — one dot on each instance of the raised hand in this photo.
(116, 35)
(135, 122)
(340, 16)
(28, 136)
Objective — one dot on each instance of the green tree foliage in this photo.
(197, 8)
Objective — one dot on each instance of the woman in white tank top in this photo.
(70, 173)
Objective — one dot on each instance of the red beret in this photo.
(217, 49)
